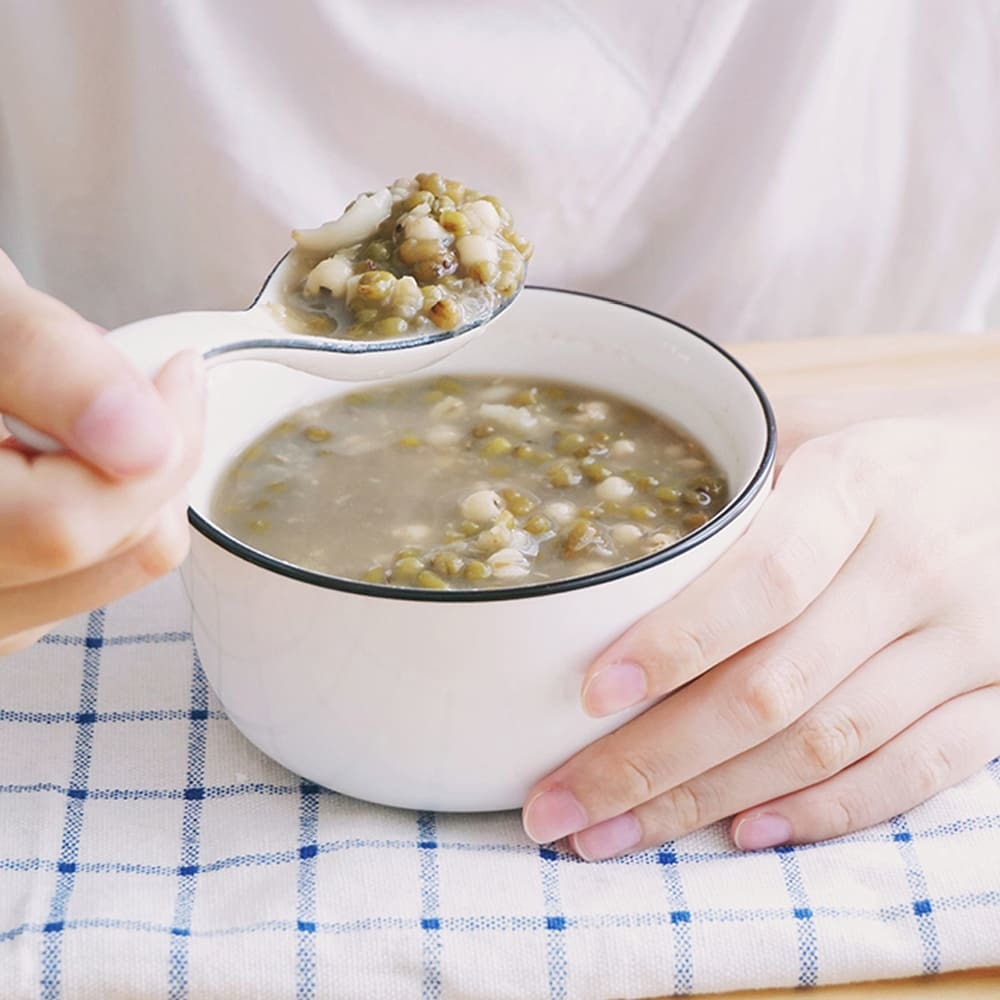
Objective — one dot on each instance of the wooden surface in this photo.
(820, 382)
(975, 984)
(925, 360)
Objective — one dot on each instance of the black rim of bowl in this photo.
(386, 591)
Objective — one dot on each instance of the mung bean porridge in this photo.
(468, 482)
(426, 254)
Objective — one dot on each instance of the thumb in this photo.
(58, 374)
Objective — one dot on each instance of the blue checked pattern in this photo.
(147, 850)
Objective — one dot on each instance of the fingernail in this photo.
(553, 814)
(762, 830)
(196, 371)
(125, 430)
(186, 372)
(608, 839)
(615, 687)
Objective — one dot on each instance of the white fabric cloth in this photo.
(754, 168)
(147, 850)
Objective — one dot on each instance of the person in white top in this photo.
(765, 169)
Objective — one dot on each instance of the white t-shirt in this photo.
(762, 169)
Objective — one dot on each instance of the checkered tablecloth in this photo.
(148, 850)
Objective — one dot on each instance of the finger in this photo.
(741, 703)
(797, 544)
(9, 274)
(944, 747)
(10, 443)
(58, 515)
(60, 376)
(176, 503)
(15, 643)
(49, 601)
(876, 702)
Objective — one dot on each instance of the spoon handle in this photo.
(150, 343)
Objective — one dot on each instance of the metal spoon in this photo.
(257, 334)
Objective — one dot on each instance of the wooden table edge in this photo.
(969, 984)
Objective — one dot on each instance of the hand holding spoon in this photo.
(405, 228)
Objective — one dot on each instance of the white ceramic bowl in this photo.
(456, 700)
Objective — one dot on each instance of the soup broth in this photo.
(452, 483)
